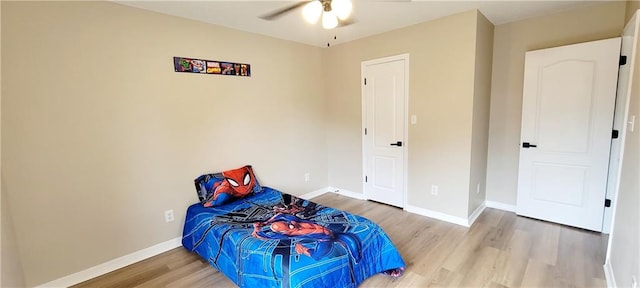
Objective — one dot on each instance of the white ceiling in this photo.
(370, 16)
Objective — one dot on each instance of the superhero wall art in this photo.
(191, 65)
(273, 239)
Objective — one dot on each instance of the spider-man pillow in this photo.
(220, 188)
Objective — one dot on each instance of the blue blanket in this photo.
(273, 239)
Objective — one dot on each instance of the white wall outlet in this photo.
(434, 190)
(307, 177)
(168, 216)
(414, 119)
(478, 189)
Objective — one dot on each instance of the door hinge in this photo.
(607, 202)
(614, 134)
(365, 179)
(365, 131)
(623, 60)
(365, 81)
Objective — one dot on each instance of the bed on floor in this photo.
(261, 237)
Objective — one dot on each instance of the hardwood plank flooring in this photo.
(499, 250)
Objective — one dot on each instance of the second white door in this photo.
(567, 115)
(384, 95)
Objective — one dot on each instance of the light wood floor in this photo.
(499, 250)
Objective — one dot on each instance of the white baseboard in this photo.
(501, 206)
(313, 194)
(474, 216)
(140, 255)
(420, 211)
(608, 274)
(114, 264)
(347, 193)
(437, 215)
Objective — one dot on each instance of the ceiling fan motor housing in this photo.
(326, 5)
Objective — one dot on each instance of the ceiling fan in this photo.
(332, 12)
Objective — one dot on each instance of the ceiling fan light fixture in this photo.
(342, 8)
(329, 20)
(312, 11)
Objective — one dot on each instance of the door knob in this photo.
(399, 144)
(527, 145)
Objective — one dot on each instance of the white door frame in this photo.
(631, 28)
(623, 97)
(405, 146)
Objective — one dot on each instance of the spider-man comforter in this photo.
(273, 239)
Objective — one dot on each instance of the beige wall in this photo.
(625, 246)
(632, 7)
(11, 274)
(11, 269)
(10, 265)
(511, 41)
(100, 136)
(442, 67)
(481, 103)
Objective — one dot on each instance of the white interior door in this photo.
(567, 115)
(384, 95)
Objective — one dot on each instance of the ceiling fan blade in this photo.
(278, 13)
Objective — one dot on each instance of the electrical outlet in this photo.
(414, 119)
(478, 189)
(307, 177)
(434, 190)
(168, 216)
(632, 122)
